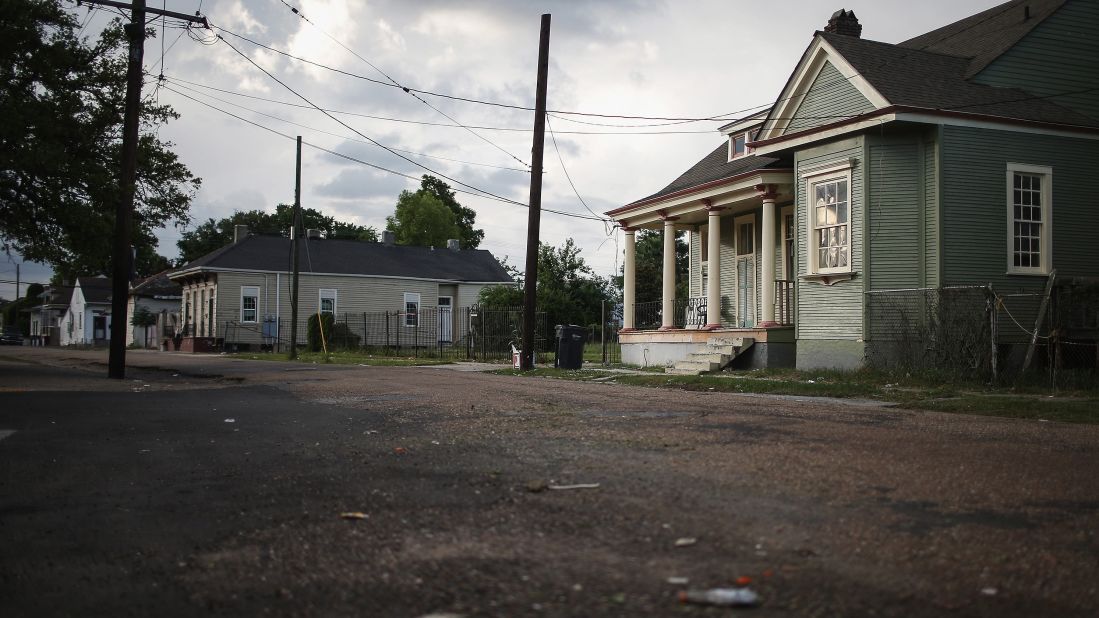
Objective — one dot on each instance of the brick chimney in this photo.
(844, 22)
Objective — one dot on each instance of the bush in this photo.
(337, 335)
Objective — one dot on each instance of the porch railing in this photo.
(784, 302)
(687, 313)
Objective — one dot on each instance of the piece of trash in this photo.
(535, 487)
(370, 431)
(353, 515)
(729, 597)
(230, 420)
(686, 541)
(989, 592)
(678, 581)
(435, 442)
(743, 580)
(400, 450)
(768, 573)
(618, 597)
(811, 381)
(577, 486)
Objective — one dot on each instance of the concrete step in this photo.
(716, 354)
(697, 365)
(710, 357)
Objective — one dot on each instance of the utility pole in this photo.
(122, 257)
(295, 250)
(534, 214)
(16, 282)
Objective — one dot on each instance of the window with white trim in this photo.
(1029, 204)
(411, 308)
(249, 303)
(327, 301)
(829, 213)
(738, 145)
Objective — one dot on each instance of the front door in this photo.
(99, 327)
(745, 271)
(446, 319)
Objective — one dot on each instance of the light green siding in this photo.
(974, 208)
(830, 312)
(901, 210)
(695, 240)
(1061, 54)
(830, 99)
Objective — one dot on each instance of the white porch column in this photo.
(629, 280)
(768, 249)
(713, 272)
(667, 319)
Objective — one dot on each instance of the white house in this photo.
(87, 321)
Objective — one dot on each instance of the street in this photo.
(206, 484)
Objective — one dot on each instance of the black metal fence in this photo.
(686, 313)
(985, 333)
(467, 333)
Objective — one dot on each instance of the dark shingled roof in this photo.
(918, 78)
(158, 285)
(95, 289)
(355, 257)
(985, 36)
(712, 167)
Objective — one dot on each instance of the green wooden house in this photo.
(962, 157)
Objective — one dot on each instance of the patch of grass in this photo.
(561, 374)
(1063, 409)
(818, 387)
(346, 358)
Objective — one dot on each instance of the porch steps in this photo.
(717, 354)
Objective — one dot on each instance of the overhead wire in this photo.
(402, 86)
(346, 137)
(360, 161)
(569, 178)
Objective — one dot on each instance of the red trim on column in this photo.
(711, 327)
(768, 324)
(664, 216)
(767, 192)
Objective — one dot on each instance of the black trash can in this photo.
(570, 346)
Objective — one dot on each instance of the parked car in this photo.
(11, 336)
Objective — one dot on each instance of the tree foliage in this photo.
(421, 219)
(214, 234)
(62, 102)
(568, 290)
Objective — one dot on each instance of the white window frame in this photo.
(787, 211)
(732, 148)
(812, 179)
(411, 319)
(254, 289)
(1045, 234)
(325, 293)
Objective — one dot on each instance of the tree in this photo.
(421, 219)
(214, 234)
(15, 313)
(464, 217)
(569, 291)
(61, 99)
(144, 318)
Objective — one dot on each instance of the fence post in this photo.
(1038, 322)
(603, 328)
(994, 313)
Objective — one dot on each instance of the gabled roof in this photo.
(713, 167)
(983, 37)
(916, 78)
(353, 257)
(157, 286)
(57, 296)
(96, 290)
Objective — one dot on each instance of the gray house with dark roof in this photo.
(963, 156)
(243, 289)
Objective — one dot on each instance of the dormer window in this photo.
(738, 146)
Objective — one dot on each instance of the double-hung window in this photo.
(1029, 218)
(327, 302)
(411, 309)
(249, 303)
(828, 202)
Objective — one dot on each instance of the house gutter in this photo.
(695, 189)
(924, 111)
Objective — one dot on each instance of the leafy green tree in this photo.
(61, 100)
(421, 219)
(569, 291)
(144, 318)
(469, 236)
(15, 312)
(214, 234)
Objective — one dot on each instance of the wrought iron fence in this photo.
(686, 313)
(469, 333)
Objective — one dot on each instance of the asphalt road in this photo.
(206, 485)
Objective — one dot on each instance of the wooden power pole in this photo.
(295, 250)
(122, 255)
(530, 283)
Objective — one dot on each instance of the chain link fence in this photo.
(978, 332)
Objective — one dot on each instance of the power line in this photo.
(307, 127)
(567, 176)
(359, 133)
(366, 163)
(402, 87)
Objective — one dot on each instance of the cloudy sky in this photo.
(671, 58)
